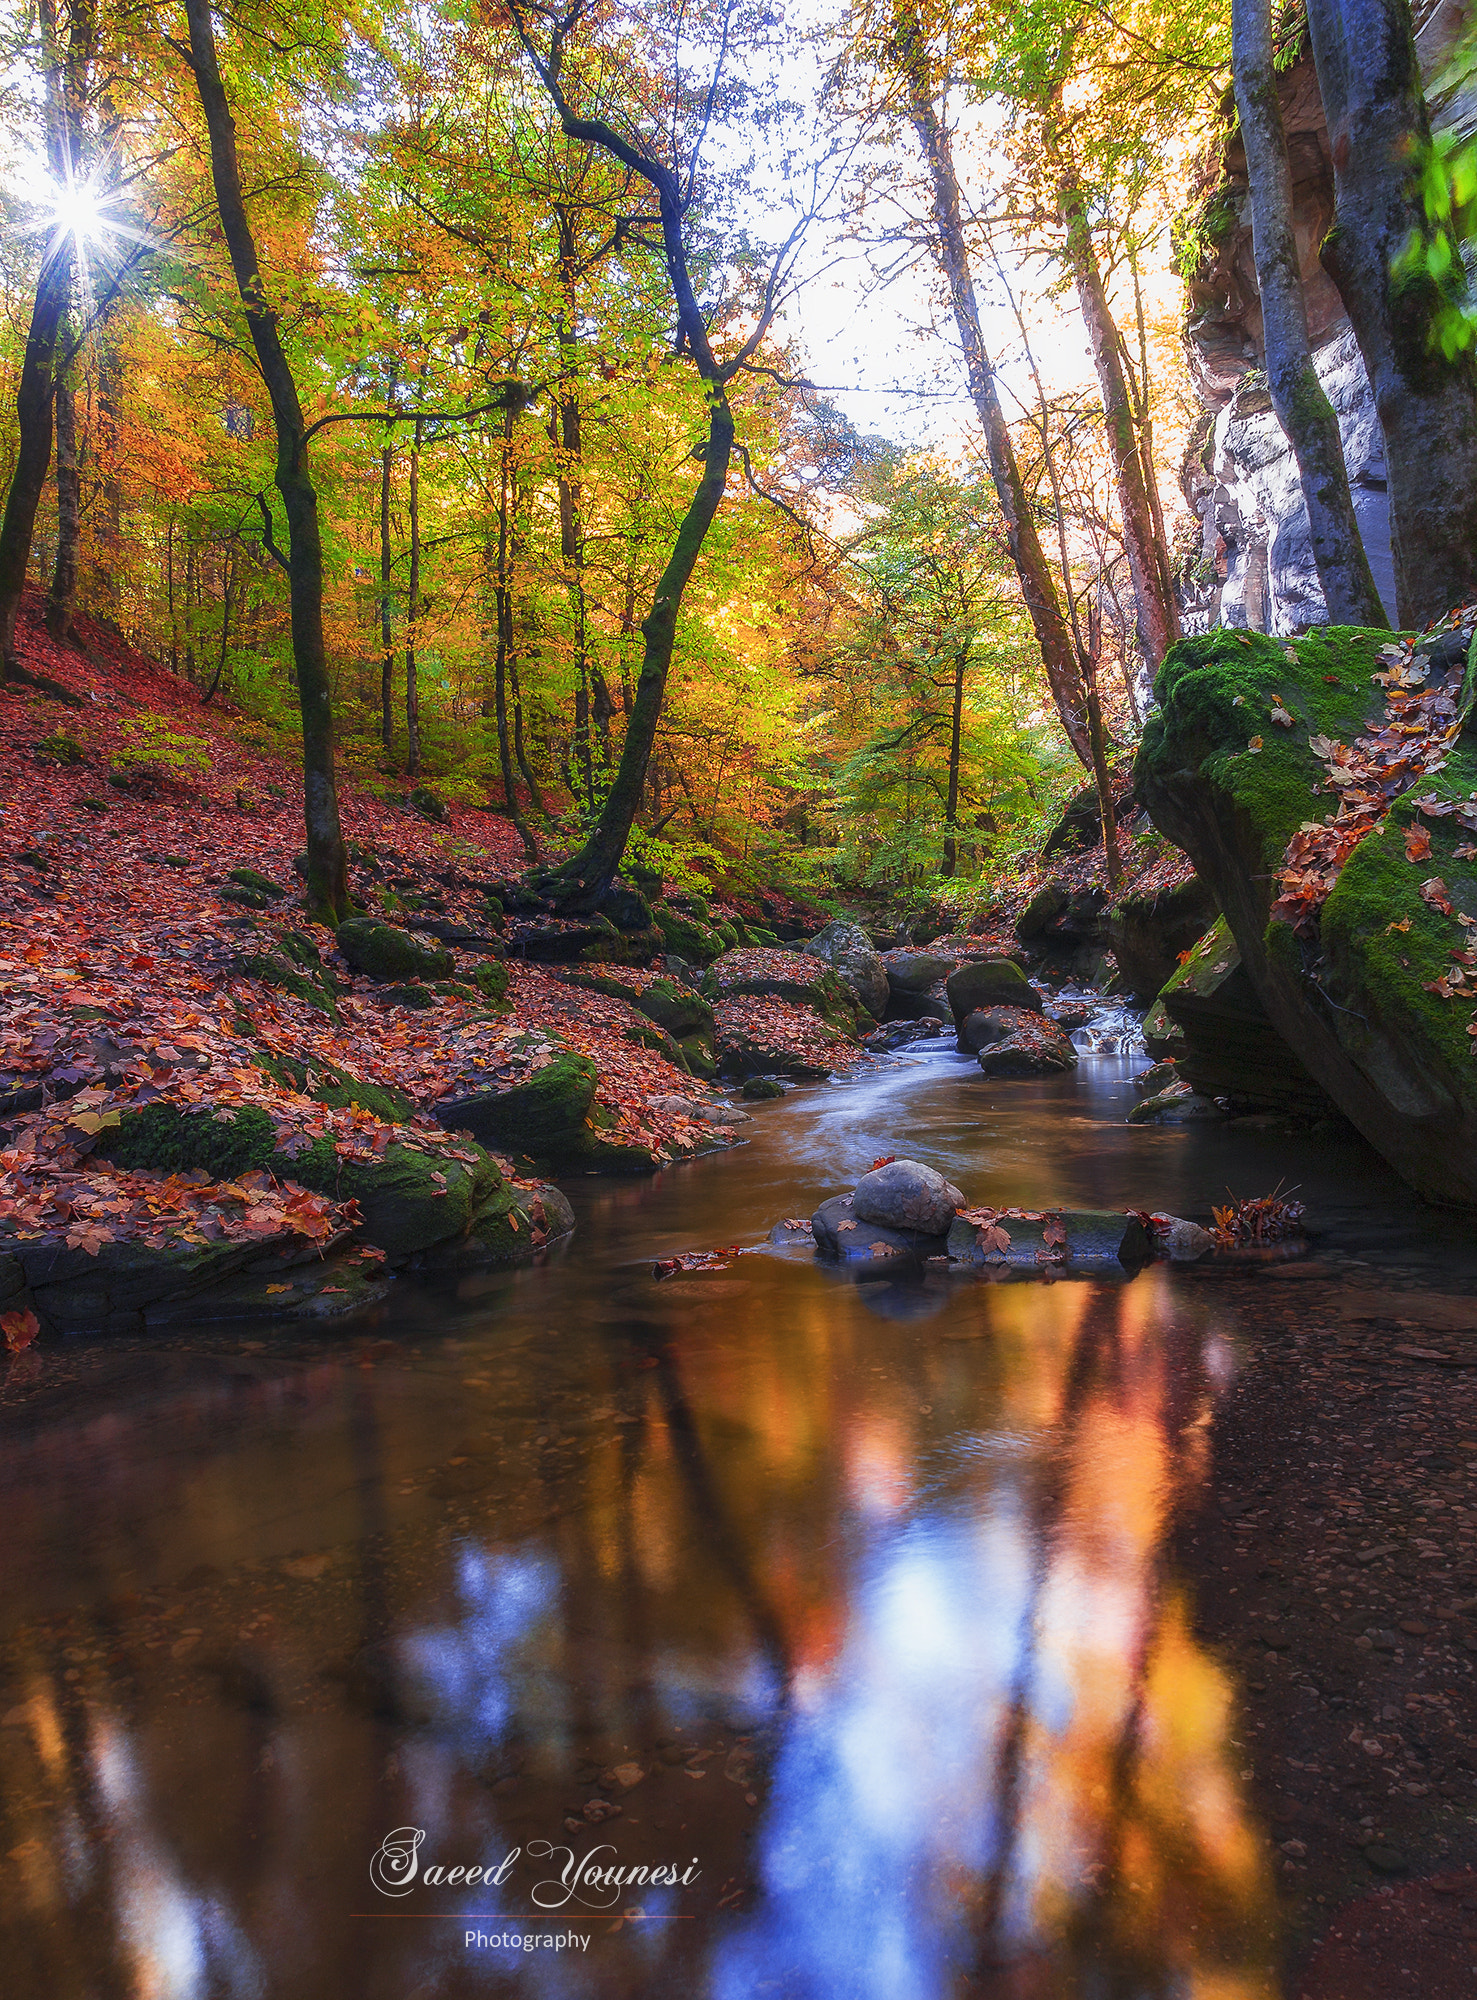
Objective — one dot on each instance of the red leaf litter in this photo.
(117, 952)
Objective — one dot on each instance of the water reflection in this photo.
(869, 1612)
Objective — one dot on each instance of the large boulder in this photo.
(540, 1106)
(1150, 932)
(904, 1194)
(856, 960)
(690, 938)
(990, 982)
(783, 975)
(1032, 1045)
(763, 1036)
(916, 982)
(1042, 910)
(1226, 1046)
(1359, 985)
(383, 951)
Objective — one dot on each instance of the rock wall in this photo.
(1255, 564)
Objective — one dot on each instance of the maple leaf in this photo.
(846, 1225)
(885, 1161)
(1434, 893)
(88, 1236)
(1255, 745)
(1417, 844)
(994, 1240)
(1279, 714)
(19, 1329)
(1054, 1235)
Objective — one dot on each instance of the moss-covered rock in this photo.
(697, 1052)
(383, 951)
(688, 938)
(289, 972)
(252, 878)
(1227, 1047)
(408, 995)
(327, 1084)
(167, 1140)
(990, 982)
(784, 975)
(678, 1009)
(492, 981)
(542, 1113)
(758, 1088)
(1350, 998)
(411, 1199)
(1149, 932)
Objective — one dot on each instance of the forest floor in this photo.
(1334, 1565)
(124, 811)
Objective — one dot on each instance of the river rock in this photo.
(906, 1195)
(856, 960)
(1149, 933)
(764, 972)
(1176, 1105)
(1223, 1043)
(840, 1233)
(1158, 1076)
(916, 983)
(1179, 1241)
(1032, 1045)
(989, 982)
(1101, 1238)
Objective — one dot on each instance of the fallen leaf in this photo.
(20, 1329)
(1417, 844)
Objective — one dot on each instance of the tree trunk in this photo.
(565, 436)
(327, 868)
(1364, 52)
(1107, 812)
(1303, 410)
(1058, 655)
(63, 591)
(956, 735)
(66, 88)
(412, 614)
(387, 641)
(1158, 624)
(503, 604)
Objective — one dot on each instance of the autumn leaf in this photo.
(1255, 745)
(1417, 844)
(1434, 893)
(994, 1240)
(1402, 925)
(20, 1329)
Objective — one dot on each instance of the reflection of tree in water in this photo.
(1135, 1941)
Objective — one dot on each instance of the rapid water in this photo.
(845, 1604)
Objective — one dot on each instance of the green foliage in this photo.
(1447, 181)
(157, 753)
(60, 748)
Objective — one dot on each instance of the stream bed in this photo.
(853, 1613)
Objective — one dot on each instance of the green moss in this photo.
(492, 981)
(543, 1117)
(1216, 693)
(1382, 972)
(647, 1035)
(697, 1052)
(60, 748)
(325, 1083)
(411, 1200)
(317, 988)
(409, 995)
(166, 1140)
(250, 878)
(381, 951)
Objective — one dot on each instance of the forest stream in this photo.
(879, 1615)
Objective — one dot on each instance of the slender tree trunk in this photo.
(387, 641)
(63, 591)
(327, 868)
(220, 664)
(1158, 623)
(503, 610)
(565, 436)
(956, 737)
(950, 249)
(169, 596)
(1107, 812)
(40, 361)
(412, 614)
(1303, 410)
(107, 534)
(1364, 51)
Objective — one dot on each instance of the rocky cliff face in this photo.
(1255, 564)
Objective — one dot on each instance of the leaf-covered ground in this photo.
(121, 982)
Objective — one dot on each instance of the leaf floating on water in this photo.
(20, 1329)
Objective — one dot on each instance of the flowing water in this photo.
(844, 1606)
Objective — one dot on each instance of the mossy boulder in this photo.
(990, 982)
(411, 1198)
(252, 878)
(689, 938)
(290, 974)
(384, 951)
(165, 1139)
(697, 1053)
(491, 980)
(408, 995)
(541, 1110)
(1227, 1047)
(784, 975)
(1149, 932)
(679, 1009)
(1349, 995)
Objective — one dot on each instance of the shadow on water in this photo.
(849, 1603)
